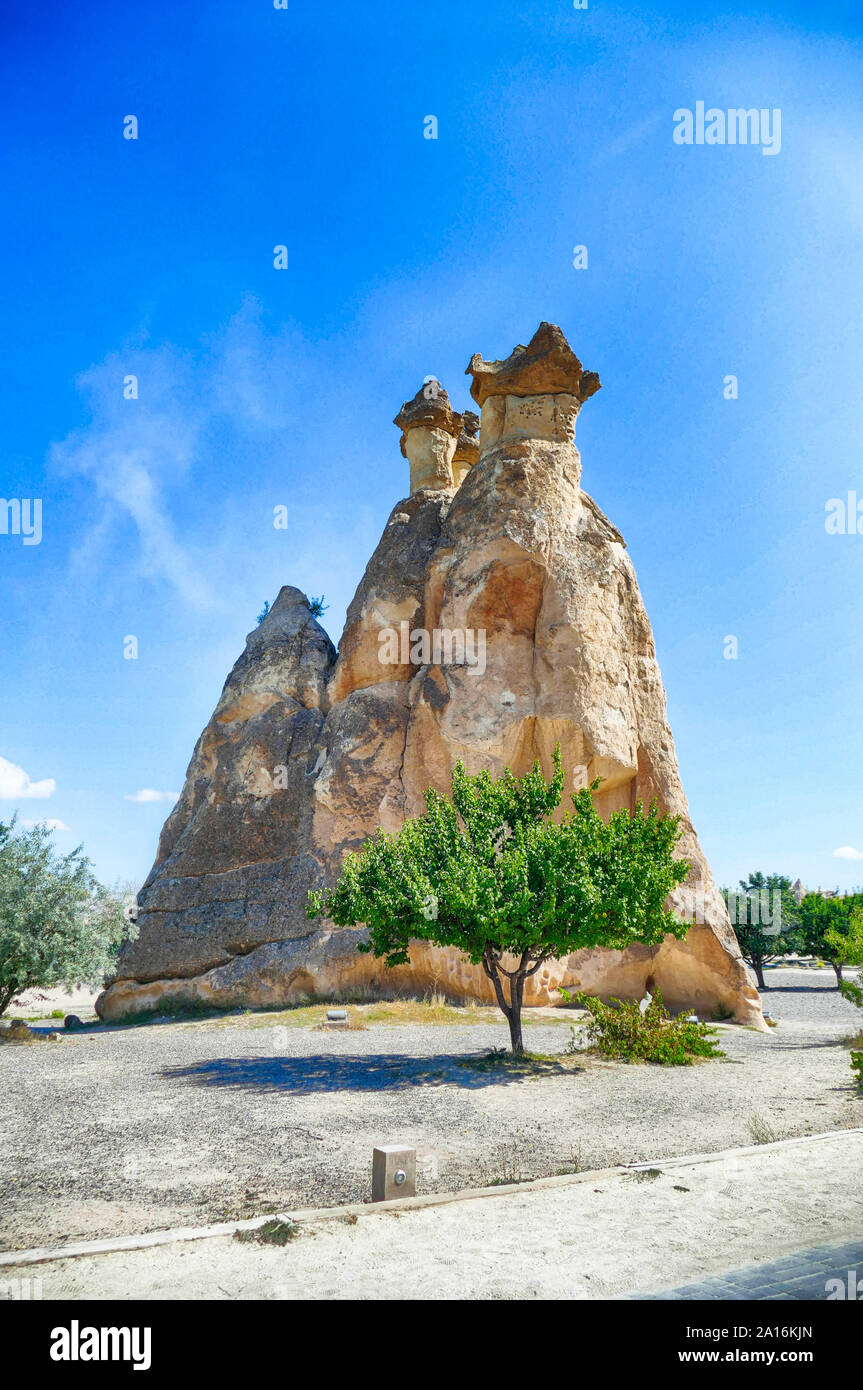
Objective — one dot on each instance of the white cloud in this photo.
(847, 852)
(48, 824)
(133, 451)
(151, 459)
(150, 794)
(15, 785)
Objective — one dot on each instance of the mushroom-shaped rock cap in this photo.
(430, 407)
(546, 367)
(467, 444)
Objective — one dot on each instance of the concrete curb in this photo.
(111, 1245)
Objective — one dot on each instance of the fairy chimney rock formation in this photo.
(430, 431)
(535, 393)
(496, 553)
(466, 448)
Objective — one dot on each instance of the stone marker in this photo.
(72, 1021)
(394, 1172)
(336, 1018)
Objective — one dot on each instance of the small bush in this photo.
(857, 1068)
(17, 1031)
(620, 1030)
(273, 1232)
(760, 1131)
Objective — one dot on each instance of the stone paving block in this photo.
(799, 1277)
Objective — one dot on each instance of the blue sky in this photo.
(259, 387)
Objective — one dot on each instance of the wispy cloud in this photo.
(16, 785)
(631, 136)
(134, 450)
(150, 794)
(847, 852)
(238, 394)
(49, 824)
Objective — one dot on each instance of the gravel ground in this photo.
(125, 1130)
(599, 1238)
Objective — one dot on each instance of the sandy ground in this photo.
(41, 1003)
(627, 1233)
(134, 1129)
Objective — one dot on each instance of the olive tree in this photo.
(58, 925)
(488, 871)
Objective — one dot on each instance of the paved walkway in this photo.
(679, 1226)
(803, 1275)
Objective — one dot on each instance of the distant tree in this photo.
(765, 917)
(58, 925)
(825, 923)
(264, 611)
(318, 607)
(848, 950)
(487, 871)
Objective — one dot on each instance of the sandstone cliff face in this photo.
(500, 615)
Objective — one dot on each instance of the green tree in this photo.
(766, 919)
(58, 925)
(848, 950)
(824, 923)
(486, 870)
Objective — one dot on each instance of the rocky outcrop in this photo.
(499, 616)
(430, 432)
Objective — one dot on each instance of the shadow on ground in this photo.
(387, 1072)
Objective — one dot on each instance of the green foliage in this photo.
(847, 949)
(264, 611)
(826, 922)
(765, 917)
(857, 1068)
(620, 1030)
(276, 1231)
(318, 607)
(486, 870)
(58, 925)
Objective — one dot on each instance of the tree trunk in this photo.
(512, 1010)
(516, 994)
(837, 967)
(515, 1037)
(758, 966)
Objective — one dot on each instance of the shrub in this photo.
(620, 1030)
(857, 1068)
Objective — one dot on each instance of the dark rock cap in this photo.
(467, 444)
(547, 366)
(430, 406)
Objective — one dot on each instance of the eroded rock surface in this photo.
(307, 753)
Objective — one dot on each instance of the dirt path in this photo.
(593, 1239)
